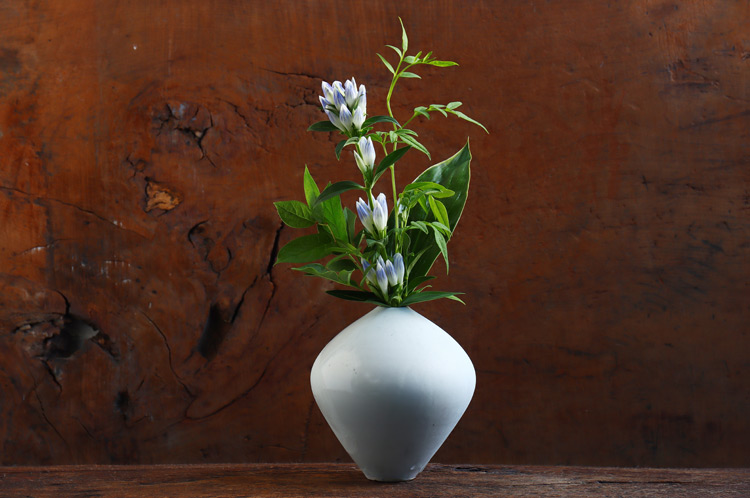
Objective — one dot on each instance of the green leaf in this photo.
(311, 189)
(407, 74)
(335, 190)
(439, 108)
(409, 140)
(318, 270)
(421, 225)
(340, 146)
(453, 105)
(295, 214)
(467, 118)
(322, 126)
(397, 50)
(389, 160)
(414, 282)
(305, 249)
(421, 297)
(434, 189)
(331, 213)
(341, 264)
(439, 211)
(454, 174)
(359, 296)
(442, 245)
(379, 119)
(350, 220)
(404, 38)
(421, 110)
(386, 63)
(443, 229)
(442, 63)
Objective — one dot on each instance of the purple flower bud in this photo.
(339, 98)
(346, 117)
(365, 157)
(350, 93)
(328, 92)
(335, 120)
(390, 272)
(382, 279)
(365, 215)
(380, 213)
(369, 272)
(398, 265)
(359, 118)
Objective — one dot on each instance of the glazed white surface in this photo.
(392, 386)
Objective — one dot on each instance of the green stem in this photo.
(395, 196)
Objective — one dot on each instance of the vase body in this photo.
(392, 386)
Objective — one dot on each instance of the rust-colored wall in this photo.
(604, 251)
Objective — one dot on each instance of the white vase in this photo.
(392, 386)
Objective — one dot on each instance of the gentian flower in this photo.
(369, 272)
(358, 119)
(351, 93)
(382, 279)
(398, 266)
(390, 272)
(365, 215)
(345, 105)
(366, 156)
(327, 94)
(333, 118)
(380, 213)
(346, 118)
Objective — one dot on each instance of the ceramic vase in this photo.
(392, 386)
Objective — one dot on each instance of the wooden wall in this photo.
(605, 250)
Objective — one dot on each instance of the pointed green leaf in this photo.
(322, 126)
(414, 282)
(422, 111)
(397, 50)
(330, 212)
(295, 214)
(350, 220)
(318, 270)
(439, 108)
(453, 105)
(359, 296)
(408, 74)
(439, 211)
(467, 118)
(341, 264)
(421, 297)
(311, 189)
(442, 245)
(454, 173)
(379, 119)
(305, 249)
(409, 140)
(404, 38)
(336, 189)
(442, 63)
(386, 63)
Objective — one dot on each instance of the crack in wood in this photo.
(169, 356)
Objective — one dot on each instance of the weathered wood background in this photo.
(605, 250)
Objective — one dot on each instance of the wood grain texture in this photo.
(325, 480)
(604, 249)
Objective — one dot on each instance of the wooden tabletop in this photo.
(344, 480)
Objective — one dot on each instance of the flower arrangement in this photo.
(387, 261)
